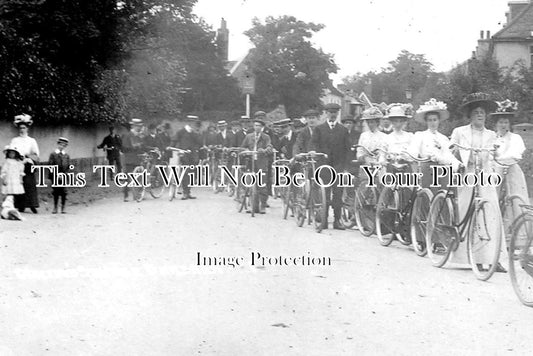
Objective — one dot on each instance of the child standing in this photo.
(60, 159)
(12, 172)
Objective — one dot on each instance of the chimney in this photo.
(515, 8)
(481, 34)
(488, 35)
(222, 40)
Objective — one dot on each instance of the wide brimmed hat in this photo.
(350, 119)
(13, 149)
(432, 106)
(136, 122)
(283, 122)
(506, 109)
(311, 112)
(478, 99)
(332, 107)
(23, 119)
(399, 111)
(372, 114)
(62, 140)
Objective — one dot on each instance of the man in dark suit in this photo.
(112, 144)
(303, 140)
(237, 134)
(332, 139)
(188, 138)
(287, 138)
(224, 136)
(259, 141)
(152, 139)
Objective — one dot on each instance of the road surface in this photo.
(121, 278)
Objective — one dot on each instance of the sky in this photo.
(365, 35)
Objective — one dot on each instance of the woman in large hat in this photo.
(510, 148)
(373, 138)
(476, 107)
(431, 143)
(398, 140)
(29, 149)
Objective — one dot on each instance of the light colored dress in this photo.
(372, 141)
(426, 144)
(26, 145)
(469, 137)
(398, 141)
(511, 148)
(11, 175)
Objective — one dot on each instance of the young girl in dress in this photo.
(11, 175)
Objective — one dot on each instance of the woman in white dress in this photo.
(510, 148)
(477, 107)
(28, 148)
(431, 143)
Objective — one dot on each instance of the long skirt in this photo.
(30, 198)
(493, 221)
(515, 184)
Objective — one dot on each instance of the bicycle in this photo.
(481, 229)
(521, 256)
(366, 200)
(149, 161)
(310, 201)
(283, 192)
(233, 159)
(175, 160)
(395, 209)
(247, 197)
(348, 219)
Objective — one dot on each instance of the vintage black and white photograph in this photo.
(251, 177)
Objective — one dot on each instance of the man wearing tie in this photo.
(303, 140)
(287, 139)
(332, 139)
(259, 141)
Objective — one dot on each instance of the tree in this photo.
(288, 69)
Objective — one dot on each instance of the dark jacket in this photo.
(303, 141)
(61, 160)
(132, 147)
(333, 142)
(263, 142)
(112, 141)
(286, 145)
(238, 138)
(225, 142)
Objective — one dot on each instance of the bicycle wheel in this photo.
(403, 234)
(484, 240)
(288, 202)
(320, 207)
(441, 235)
(299, 203)
(241, 198)
(347, 212)
(521, 258)
(366, 199)
(510, 213)
(254, 200)
(419, 218)
(138, 192)
(156, 184)
(387, 215)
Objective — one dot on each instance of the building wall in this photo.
(507, 53)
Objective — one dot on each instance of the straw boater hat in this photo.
(432, 106)
(136, 122)
(283, 122)
(62, 140)
(396, 111)
(14, 149)
(372, 113)
(506, 109)
(478, 99)
(192, 118)
(221, 123)
(23, 119)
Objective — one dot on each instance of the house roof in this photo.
(365, 100)
(520, 27)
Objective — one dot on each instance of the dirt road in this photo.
(121, 278)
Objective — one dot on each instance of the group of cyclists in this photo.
(473, 225)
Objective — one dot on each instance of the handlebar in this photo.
(355, 147)
(281, 162)
(477, 150)
(311, 155)
(416, 159)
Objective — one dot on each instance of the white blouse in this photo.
(397, 142)
(372, 141)
(26, 145)
(511, 148)
(431, 144)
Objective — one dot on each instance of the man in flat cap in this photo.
(303, 140)
(259, 141)
(332, 139)
(189, 139)
(287, 139)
